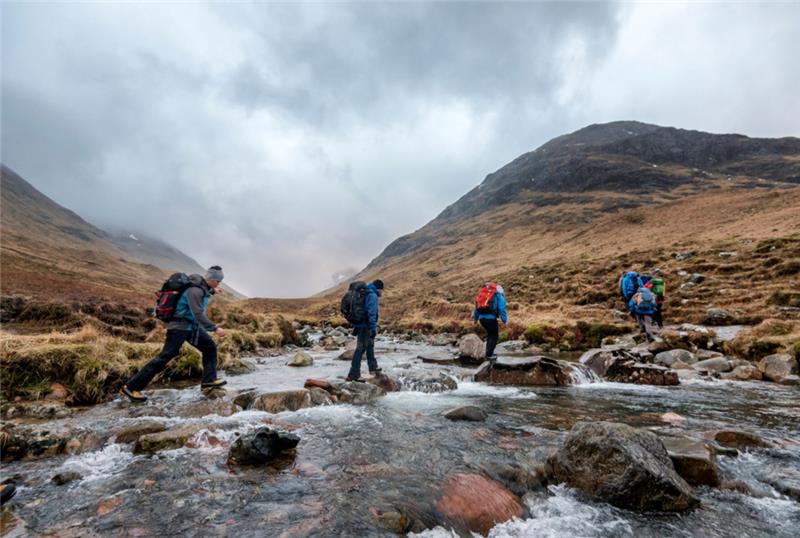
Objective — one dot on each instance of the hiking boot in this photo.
(376, 371)
(134, 395)
(214, 384)
(6, 492)
(492, 358)
(357, 379)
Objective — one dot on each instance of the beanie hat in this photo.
(378, 284)
(214, 273)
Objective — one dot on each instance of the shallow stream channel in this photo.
(378, 469)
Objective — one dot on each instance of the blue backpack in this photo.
(645, 301)
(628, 284)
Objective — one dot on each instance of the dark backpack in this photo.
(353, 308)
(169, 295)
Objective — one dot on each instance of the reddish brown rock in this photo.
(57, 392)
(472, 502)
(320, 383)
(740, 440)
(288, 400)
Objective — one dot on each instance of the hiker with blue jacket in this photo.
(490, 304)
(366, 330)
(643, 306)
(189, 323)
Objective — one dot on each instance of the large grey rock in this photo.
(356, 393)
(776, 367)
(261, 446)
(166, 440)
(471, 348)
(426, 382)
(745, 372)
(717, 365)
(694, 460)
(668, 358)
(130, 434)
(627, 467)
(301, 358)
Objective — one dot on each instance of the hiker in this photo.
(643, 305)
(360, 306)
(656, 285)
(490, 304)
(629, 284)
(186, 322)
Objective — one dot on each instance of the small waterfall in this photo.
(581, 375)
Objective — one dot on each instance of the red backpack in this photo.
(485, 297)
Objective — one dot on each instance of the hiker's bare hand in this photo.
(220, 331)
(218, 290)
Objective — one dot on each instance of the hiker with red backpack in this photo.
(360, 309)
(490, 304)
(181, 304)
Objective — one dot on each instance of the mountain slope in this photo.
(557, 225)
(49, 252)
(632, 159)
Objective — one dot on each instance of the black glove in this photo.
(373, 333)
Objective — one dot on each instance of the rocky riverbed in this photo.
(427, 450)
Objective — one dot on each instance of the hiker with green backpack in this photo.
(181, 304)
(656, 285)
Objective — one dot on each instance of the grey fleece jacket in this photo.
(194, 297)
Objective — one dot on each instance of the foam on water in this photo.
(112, 460)
(561, 514)
(473, 389)
(622, 387)
(331, 415)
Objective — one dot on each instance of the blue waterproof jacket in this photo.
(371, 307)
(498, 307)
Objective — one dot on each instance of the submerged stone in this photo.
(467, 412)
(261, 446)
(472, 502)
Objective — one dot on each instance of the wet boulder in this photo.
(384, 381)
(301, 358)
(625, 466)
(66, 477)
(240, 367)
(245, 398)
(738, 439)
(323, 384)
(205, 407)
(694, 460)
(471, 348)
(286, 400)
(261, 446)
(467, 412)
(474, 503)
(776, 367)
(668, 358)
(538, 371)
(745, 372)
(438, 358)
(630, 371)
(353, 392)
(130, 434)
(320, 396)
(349, 351)
(166, 440)
(598, 360)
(713, 366)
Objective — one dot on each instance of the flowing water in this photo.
(391, 456)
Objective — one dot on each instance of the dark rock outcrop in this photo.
(531, 371)
(261, 446)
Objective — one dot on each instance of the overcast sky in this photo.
(287, 142)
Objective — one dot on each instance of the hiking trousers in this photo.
(366, 342)
(492, 334)
(172, 347)
(645, 322)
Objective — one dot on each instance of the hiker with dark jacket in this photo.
(189, 324)
(366, 332)
(487, 314)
